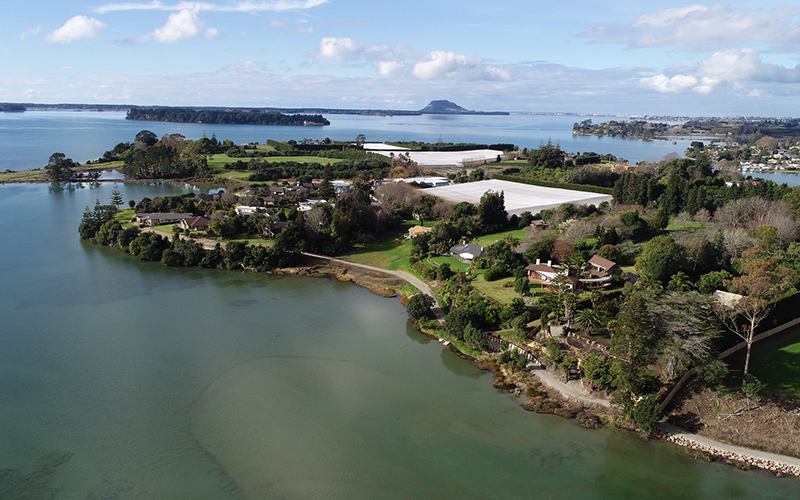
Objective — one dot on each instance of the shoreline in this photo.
(548, 398)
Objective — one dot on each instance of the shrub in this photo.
(646, 413)
(494, 274)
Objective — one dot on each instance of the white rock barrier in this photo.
(762, 463)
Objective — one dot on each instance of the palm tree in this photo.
(589, 319)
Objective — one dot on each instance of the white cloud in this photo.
(676, 84)
(211, 33)
(243, 6)
(441, 63)
(75, 28)
(732, 66)
(391, 68)
(394, 61)
(700, 27)
(31, 32)
(179, 26)
(340, 49)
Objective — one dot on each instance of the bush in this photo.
(646, 413)
(494, 274)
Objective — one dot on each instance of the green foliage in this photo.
(443, 272)
(549, 183)
(244, 117)
(546, 156)
(492, 215)
(553, 350)
(494, 274)
(660, 259)
(646, 413)
(474, 338)
(419, 306)
(751, 387)
(522, 285)
(93, 219)
(59, 168)
(713, 372)
(597, 370)
(568, 363)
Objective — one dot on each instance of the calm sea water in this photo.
(28, 139)
(198, 384)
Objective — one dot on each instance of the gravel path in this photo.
(418, 283)
(571, 390)
(762, 459)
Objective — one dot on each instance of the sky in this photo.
(603, 57)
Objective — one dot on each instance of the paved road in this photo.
(421, 285)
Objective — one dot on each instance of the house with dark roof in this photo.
(465, 252)
(198, 223)
(600, 265)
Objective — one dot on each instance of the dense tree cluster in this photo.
(240, 117)
(638, 129)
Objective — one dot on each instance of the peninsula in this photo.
(602, 311)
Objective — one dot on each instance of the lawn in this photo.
(124, 217)
(488, 239)
(495, 289)
(388, 251)
(218, 161)
(779, 366)
(689, 226)
(40, 175)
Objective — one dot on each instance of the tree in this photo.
(688, 327)
(761, 282)
(646, 413)
(522, 285)
(116, 197)
(660, 259)
(635, 344)
(492, 215)
(589, 319)
(419, 306)
(59, 168)
(547, 156)
(562, 251)
(144, 139)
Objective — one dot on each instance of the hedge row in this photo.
(559, 185)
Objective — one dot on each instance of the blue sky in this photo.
(682, 58)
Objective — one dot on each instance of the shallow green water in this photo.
(174, 383)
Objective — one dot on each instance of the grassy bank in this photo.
(40, 174)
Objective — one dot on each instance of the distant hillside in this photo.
(443, 107)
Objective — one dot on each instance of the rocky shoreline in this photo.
(743, 461)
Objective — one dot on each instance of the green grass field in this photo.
(217, 163)
(488, 239)
(495, 289)
(779, 366)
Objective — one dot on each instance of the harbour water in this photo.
(28, 139)
(123, 379)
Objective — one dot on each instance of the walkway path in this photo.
(789, 465)
(421, 285)
(571, 390)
